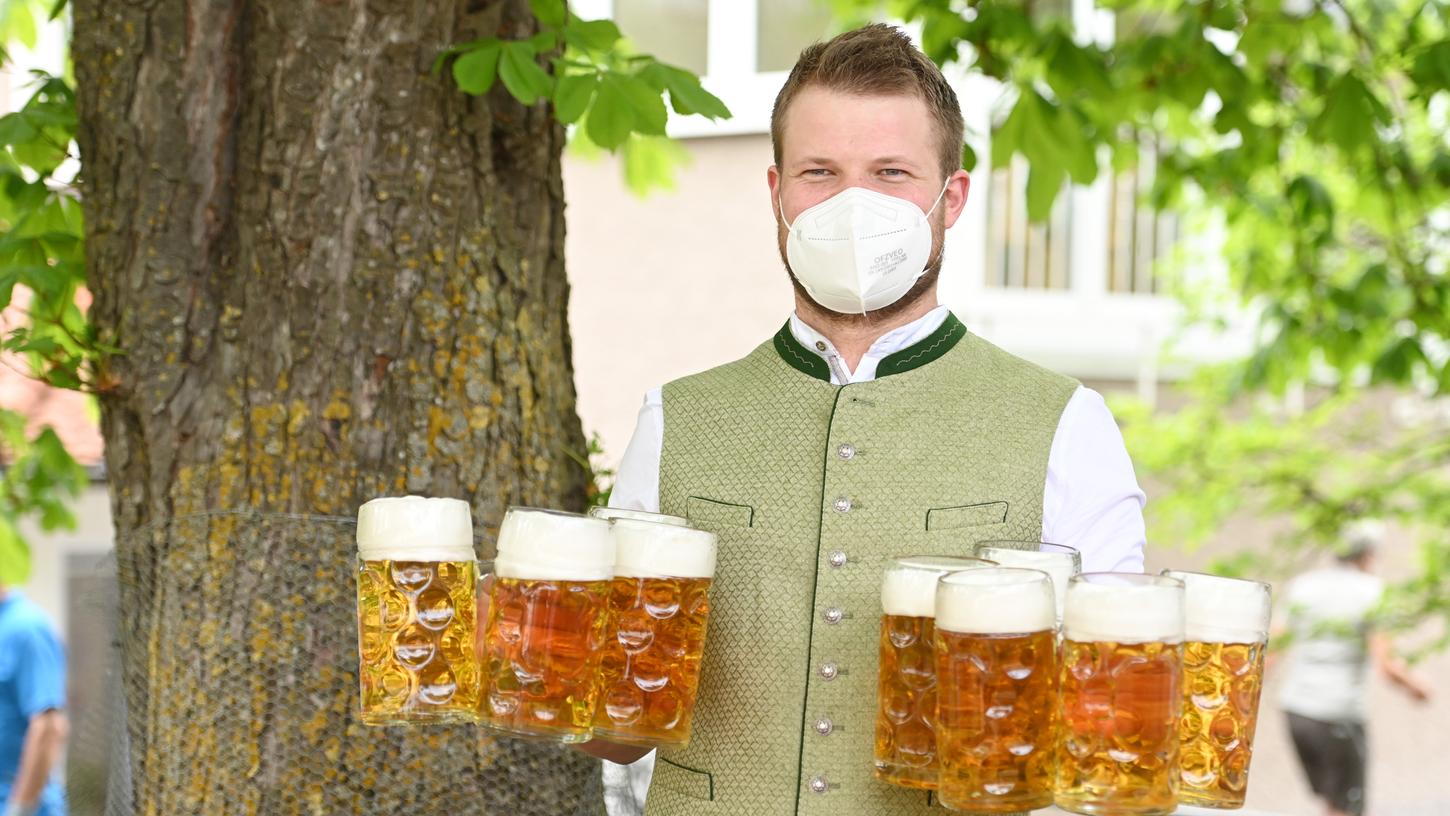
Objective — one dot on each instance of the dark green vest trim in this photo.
(798, 356)
(930, 348)
(918, 354)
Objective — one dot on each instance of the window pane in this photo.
(787, 26)
(675, 31)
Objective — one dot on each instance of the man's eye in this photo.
(818, 171)
(893, 171)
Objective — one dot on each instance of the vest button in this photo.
(820, 345)
(842, 505)
(819, 784)
(846, 451)
(829, 671)
(838, 558)
(833, 615)
(824, 726)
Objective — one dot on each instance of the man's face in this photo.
(834, 140)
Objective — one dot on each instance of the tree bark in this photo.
(332, 276)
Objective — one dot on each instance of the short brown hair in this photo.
(876, 60)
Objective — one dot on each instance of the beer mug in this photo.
(906, 680)
(416, 584)
(1122, 658)
(658, 609)
(544, 633)
(616, 513)
(1057, 560)
(1223, 673)
(996, 669)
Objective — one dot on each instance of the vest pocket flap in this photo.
(971, 515)
(685, 781)
(708, 514)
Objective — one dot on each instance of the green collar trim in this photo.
(929, 348)
(798, 356)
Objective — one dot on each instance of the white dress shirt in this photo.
(1091, 500)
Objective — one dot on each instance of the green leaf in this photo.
(551, 13)
(969, 158)
(1043, 182)
(688, 96)
(592, 35)
(17, 24)
(646, 107)
(57, 8)
(572, 95)
(14, 554)
(1432, 68)
(611, 119)
(651, 162)
(474, 71)
(522, 75)
(1349, 115)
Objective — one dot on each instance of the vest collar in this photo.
(912, 357)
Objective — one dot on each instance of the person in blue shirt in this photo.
(33, 723)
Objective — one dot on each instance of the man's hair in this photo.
(877, 60)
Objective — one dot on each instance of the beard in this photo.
(924, 286)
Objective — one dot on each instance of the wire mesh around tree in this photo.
(239, 636)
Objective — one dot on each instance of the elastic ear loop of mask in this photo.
(780, 205)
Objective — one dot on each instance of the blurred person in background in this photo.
(33, 723)
(1334, 640)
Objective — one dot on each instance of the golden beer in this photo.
(416, 622)
(996, 667)
(659, 608)
(1223, 673)
(906, 680)
(544, 633)
(1122, 658)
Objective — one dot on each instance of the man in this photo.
(1331, 618)
(873, 424)
(32, 710)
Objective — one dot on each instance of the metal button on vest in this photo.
(824, 726)
(819, 784)
(846, 451)
(820, 345)
(838, 558)
(829, 671)
(833, 615)
(842, 505)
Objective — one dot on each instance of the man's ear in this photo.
(954, 200)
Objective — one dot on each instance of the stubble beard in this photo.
(925, 285)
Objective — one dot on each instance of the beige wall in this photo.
(48, 551)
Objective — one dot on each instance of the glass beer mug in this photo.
(659, 608)
(1223, 674)
(996, 668)
(906, 693)
(617, 513)
(1122, 658)
(545, 628)
(416, 585)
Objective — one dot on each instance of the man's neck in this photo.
(853, 335)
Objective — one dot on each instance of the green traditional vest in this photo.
(812, 488)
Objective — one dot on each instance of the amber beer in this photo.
(415, 611)
(546, 623)
(659, 606)
(1057, 560)
(996, 668)
(1223, 673)
(906, 682)
(1122, 656)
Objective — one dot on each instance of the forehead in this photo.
(826, 123)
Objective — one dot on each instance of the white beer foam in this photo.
(1224, 610)
(1123, 612)
(615, 513)
(648, 549)
(1058, 565)
(909, 587)
(415, 528)
(551, 545)
(1002, 601)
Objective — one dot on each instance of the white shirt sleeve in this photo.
(637, 484)
(1092, 500)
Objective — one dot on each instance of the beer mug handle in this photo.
(482, 603)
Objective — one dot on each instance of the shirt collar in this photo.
(888, 343)
(899, 350)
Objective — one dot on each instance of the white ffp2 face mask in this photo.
(859, 250)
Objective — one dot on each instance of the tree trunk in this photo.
(332, 276)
